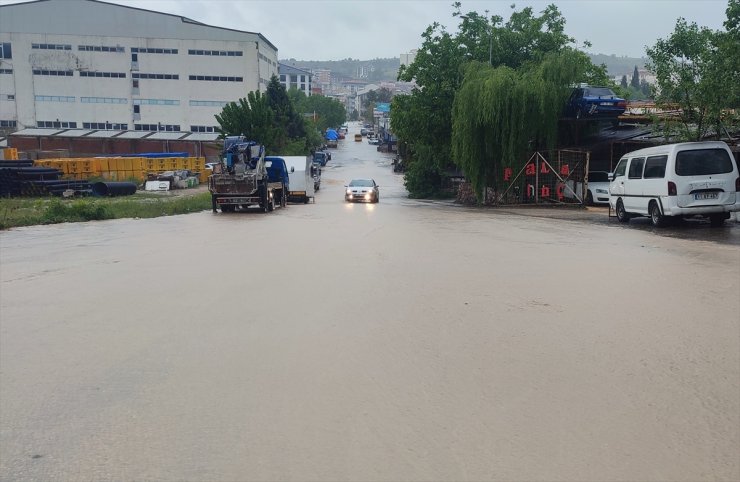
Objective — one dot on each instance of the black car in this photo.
(588, 101)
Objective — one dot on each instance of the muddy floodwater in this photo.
(403, 340)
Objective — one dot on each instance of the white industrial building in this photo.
(96, 65)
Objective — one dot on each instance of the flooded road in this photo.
(402, 340)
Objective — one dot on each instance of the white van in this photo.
(676, 180)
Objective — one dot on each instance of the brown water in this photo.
(398, 341)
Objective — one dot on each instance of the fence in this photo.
(548, 177)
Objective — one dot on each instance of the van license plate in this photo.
(706, 195)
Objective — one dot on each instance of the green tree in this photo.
(287, 122)
(251, 117)
(423, 120)
(635, 82)
(698, 69)
(624, 84)
(324, 111)
(501, 113)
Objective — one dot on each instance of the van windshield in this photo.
(701, 162)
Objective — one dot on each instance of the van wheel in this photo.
(655, 216)
(716, 220)
(622, 215)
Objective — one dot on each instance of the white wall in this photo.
(256, 65)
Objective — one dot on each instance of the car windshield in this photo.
(702, 162)
(598, 92)
(361, 183)
(598, 176)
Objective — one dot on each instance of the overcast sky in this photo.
(368, 29)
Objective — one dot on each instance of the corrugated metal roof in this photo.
(36, 132)
(134, 135)
(104, 134)
(73, 133)
(202, 136)
(167, 135)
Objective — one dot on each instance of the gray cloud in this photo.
(366, 29)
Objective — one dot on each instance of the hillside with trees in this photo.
(386, 69)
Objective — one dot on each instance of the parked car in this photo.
(588, 101)
(598, 188)
(321, 157)
(676, 180)
(362, 190)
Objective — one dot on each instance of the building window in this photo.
(157, 127)
(156, 102)
(203, 129)
(107, 75)
(57, 124)
(6, 71)
(103, 100)
(136, 84)
(54, 98)
(216, 78)
(5, 51)
(207, 103)
(137, 108)
(51, 46)
(8, 123)
(59, 73)
(7, 97)
(105, 126)
(100, 48)
(282, 77)
(155, 76)
(142, 50)
(216, 53)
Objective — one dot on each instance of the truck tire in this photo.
(263, 199)
(214, 204)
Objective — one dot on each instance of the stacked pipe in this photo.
(20, 178)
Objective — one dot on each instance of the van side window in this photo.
(655, 167)
(621, 168)
(635, 171)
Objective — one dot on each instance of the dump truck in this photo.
(244, 179)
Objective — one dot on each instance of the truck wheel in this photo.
(305, 200)
(271, 204)
(214, 204)
(283, 198)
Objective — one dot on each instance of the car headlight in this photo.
(349, 191)
(602, 191)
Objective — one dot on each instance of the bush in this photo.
(423, 180)
(64, 212)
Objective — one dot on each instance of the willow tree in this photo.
(499, 114)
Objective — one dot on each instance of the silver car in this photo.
(362, 190)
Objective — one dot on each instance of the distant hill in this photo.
(619, 65)
(377, 70)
